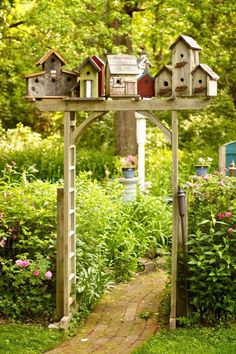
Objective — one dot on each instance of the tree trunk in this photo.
(125, 123)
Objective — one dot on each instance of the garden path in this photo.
(124, 319)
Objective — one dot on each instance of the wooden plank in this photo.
(222, 158)
(76, 134)
(60, 255)
(175, 223)
(155, 104)
(152, 118)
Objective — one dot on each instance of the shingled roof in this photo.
(189, 41)
(122, 64)
(48, 54)
(207, 70)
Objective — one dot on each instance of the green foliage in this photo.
(111, 235)
(191, 341)
(24, 151)
(212, 247)
(27, 233)
(28, 339)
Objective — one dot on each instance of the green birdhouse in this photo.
(89, 78)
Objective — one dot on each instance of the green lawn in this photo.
(27, 339)
(192, 341)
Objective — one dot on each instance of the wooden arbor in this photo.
(66, 258)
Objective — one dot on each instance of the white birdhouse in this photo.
(163, 81)
(185, 56)
(204, 81)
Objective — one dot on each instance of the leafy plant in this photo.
(212, 247)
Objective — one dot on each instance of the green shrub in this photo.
(24, 151)
(212, 247)
(27, 234)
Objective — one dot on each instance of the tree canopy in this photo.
(79, 28)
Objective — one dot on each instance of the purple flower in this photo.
(220, 216)
(25, 263)
(228, 214)
(230, 230)
(48, 274)
(19, 262)
(221, 183)
(206, 177)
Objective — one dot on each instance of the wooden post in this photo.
(141, 139)
(69, 246)
(175, 218)
(60, 255)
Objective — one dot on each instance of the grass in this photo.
(192, 341)
(27, 339)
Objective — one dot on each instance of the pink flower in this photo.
(25, 263)
(206, 177)
(221, 183)
(230, 229)
(228, 214)
(19, 262)
(220, 216)
(48, 274)
(3, 243)
(36, 273)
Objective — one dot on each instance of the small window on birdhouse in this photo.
(88, 72)
(36, 80)
(53, 74)
(33, 88)
(200, 81)
(166, 83)
(146, 81)
(181, 55)
(182, 79)
(53, 60)
(69, 79)
(53, 80)
(118, 81)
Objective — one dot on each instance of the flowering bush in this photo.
(129, 161)
(212, 247)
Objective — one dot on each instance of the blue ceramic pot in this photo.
(201, 170)
(128, 172)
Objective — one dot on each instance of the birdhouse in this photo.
(53, 80)
(101, 75)
(146, 85)
(143, 64)
(185, 56)
(204, 81)
(163, 81)
(89, 78)
(121, 75)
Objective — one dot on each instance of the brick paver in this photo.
(116, 325)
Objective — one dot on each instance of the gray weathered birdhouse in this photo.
(185, 56)
(163, 81)
(204, 81)
(53, 80)
(121, 75)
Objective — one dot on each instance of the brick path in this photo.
(115, 326)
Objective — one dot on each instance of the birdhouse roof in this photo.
(167, 68)
(189, 41)
(90, 61)
(35, 74)
(207, 70)
(144, 60)
(98, 61)
(122, 64)
(70, 72)
(48, 54)
(146, 72)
